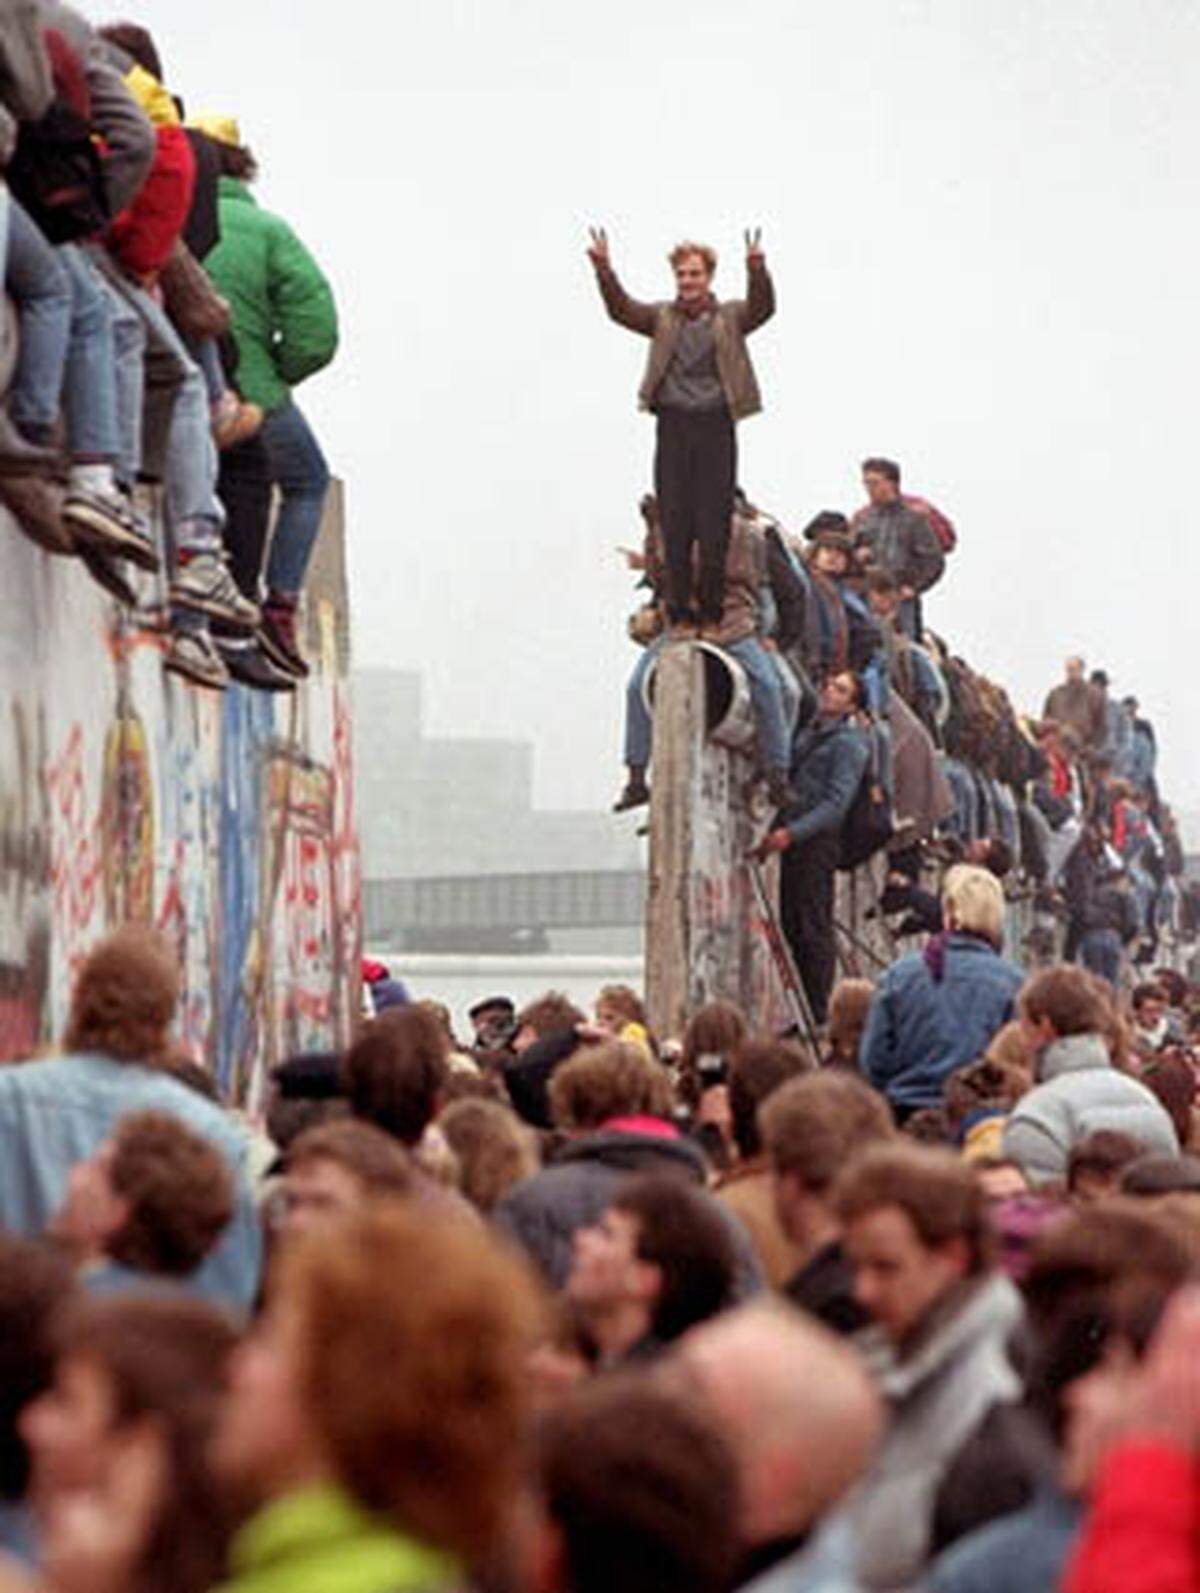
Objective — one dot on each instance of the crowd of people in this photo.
(566, 1306)
(873, 736)
(164, 320)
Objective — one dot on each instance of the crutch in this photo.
(785, 964)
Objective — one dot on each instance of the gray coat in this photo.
(129, 142)
(937, 1394)
(1080, 1093)
(26, 87)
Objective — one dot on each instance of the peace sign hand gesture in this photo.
(755, 254)
(598, 248)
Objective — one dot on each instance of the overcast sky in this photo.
(982, 224)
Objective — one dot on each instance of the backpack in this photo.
(943, 527)
(867, 827)
(55, 171)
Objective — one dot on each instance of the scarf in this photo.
(935, 950)
(692, 312)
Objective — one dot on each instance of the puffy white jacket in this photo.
(1080, 1093)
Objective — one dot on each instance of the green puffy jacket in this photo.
(319, 1541)
(284, 317)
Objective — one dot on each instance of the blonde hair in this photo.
(688, 247)
(973, 899)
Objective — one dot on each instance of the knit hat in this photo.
(224, 129)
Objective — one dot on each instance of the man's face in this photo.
(692, 278)
(317, 1191)
(897, 1277)
(605, 1269)
(885, 604)
(492, 1026)
(1074, 668)
(880, 488)
(92, 1212)
(837, 696)
(1151, 1012)
(831, 562)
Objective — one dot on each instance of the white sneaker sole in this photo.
(102, 531)
(197, 603)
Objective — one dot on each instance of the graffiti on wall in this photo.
(226, 821)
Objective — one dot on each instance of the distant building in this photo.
(440, 819)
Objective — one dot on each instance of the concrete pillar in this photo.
(704, 935)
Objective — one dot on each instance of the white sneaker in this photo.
(192, 655)
(205, 586)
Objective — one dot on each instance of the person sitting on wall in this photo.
(699, 383)
(830, 758)
(747, 630)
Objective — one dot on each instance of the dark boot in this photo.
(636, 793)
(277, 635)
(249, 664)
(778, 789)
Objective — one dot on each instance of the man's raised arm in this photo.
(760, 290)
(627, 312)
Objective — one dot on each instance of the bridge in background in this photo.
(500, 910)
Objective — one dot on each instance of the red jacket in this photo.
(143, 236)
(1143, 1532)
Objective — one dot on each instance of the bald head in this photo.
(796, 1406)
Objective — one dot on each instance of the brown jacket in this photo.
(733, 323)
(748, 1191)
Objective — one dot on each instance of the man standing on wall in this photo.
(898, 539)
(699, 382)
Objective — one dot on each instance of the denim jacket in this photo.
(56, 1112)
(919, 1029)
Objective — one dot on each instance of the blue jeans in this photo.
(37, 281)
(164, 402)
(299, 470)
(639, 732)
(766, 694)
(90, 388)
(1100, 953)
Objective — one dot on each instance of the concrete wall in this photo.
(225, 820)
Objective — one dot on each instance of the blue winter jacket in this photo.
(920, 1029)
(828, 763)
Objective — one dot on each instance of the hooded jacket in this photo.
(1079, 1094)
(544, 1212)
(129, 142)
(26, 86)
(733, 322)
(921, 1027)
(144, 234)
(938, 1393)
(284, 319)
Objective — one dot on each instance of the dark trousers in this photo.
(806, 908)
(695, 472)
(244, 488)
